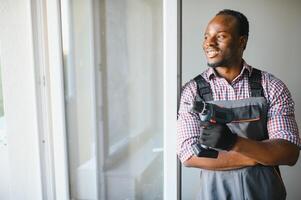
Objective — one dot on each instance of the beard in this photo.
(217, 64)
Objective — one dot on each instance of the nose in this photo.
(209, 41)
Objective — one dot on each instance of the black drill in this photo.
(210, 113)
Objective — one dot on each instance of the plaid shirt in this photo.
(281, 122)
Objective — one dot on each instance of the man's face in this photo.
(222, 44)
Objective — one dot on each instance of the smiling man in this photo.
(264, 134)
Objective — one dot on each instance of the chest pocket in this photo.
(250, 121)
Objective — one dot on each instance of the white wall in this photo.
(274, 45)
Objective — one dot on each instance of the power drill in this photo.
(210, 113)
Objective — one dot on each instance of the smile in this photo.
(211, 53)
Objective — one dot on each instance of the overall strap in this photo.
(205, 92)
(203, 88)
(255, 83)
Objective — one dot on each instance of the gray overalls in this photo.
(249, 183)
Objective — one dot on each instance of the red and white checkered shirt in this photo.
(281, 122)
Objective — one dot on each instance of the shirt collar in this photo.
(245, 69)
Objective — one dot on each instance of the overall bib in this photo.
(249, 183)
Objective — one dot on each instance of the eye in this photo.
(221, 36)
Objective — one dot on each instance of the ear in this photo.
(243, 42)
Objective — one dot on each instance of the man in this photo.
(265, 134)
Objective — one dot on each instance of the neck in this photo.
(229, 72)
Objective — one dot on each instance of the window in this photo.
(113, 71)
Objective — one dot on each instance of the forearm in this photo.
(224, 161)
(268, 152)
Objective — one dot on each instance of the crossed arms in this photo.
(248, 152)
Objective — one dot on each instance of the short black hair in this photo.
(243, 23)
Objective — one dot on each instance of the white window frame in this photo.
(19, 91)
(171, 60)
(57, 102)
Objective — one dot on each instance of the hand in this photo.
(218, 136)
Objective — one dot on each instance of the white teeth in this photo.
(212, 53)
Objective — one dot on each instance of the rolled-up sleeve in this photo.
(281, 118)
(188, 129)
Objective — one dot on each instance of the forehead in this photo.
(222, 23)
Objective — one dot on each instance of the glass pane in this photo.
(77, 20)
(133, 99)
(113, 72)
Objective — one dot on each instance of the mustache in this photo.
(211, 48)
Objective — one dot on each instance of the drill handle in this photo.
(203, 151)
